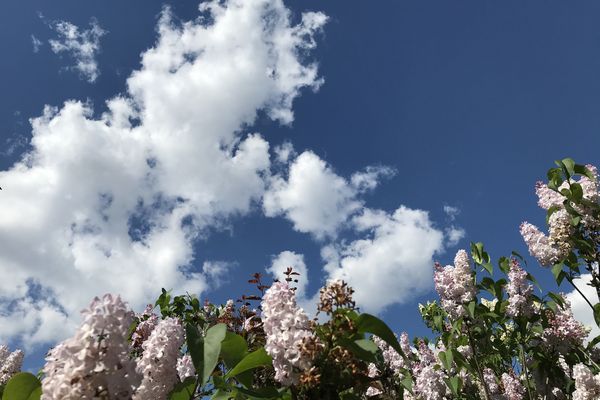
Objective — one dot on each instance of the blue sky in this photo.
(469, 103)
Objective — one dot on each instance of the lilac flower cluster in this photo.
(513, 388)
(185, 367)
(94, 363)
(519, 292)
(587, 385)
(429, 376)
(10, 363)
(159, 360)
(147, 322)
(286, 326)
(455, 284)
(551, 248)
(564, 330)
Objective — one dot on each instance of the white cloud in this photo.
(282, 262)
(393, 263)
(451, 212)
(216, 272)
(454, 235)
(314, 198)
(83, 46)
(115, 204)
(368, 179)
(37, 43)
(581, 310)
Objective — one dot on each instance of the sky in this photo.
(187, 145)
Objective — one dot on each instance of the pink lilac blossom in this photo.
(148, 321)
(391, 357)
(286, 326)
(489, 380)
(95, 362)
(373, 373)
(455, 285)
(10, 363)
(547, 197)
(429, 376)
(564, 331)
(405, 344)
(519, 292)
(550, 249)
(587, 385)
(513, 389)
(159, 360)
(539, 245)
(185, 367)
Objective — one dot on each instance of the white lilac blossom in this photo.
(373, 373)
(519, 292)
(95, 362)
(564, 330)
(539, 245)
(185, 367)
(555, 246)
(286, 326)
(147, 322)
(429, 376)
(159, 360)
(455, 285)
(587, 385)
(489, 380)
(513, 388)
(390, 356)
(10, 363)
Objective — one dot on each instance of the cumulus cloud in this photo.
(115, 203)
(314, 198)
(216, 272)
(454, 235)
(82, 46)
(286, 259)
(581, 310)
(392, 263)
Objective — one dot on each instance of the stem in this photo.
(580, 292)
(524, 365)
(479, 371)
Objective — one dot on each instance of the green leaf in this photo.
(222, 395)
(597, 313)
(364, 349)
(407, 382)
(22, 386)
(557, 299)
(368, 323)
(504, 264)
(593, 342)
(577, 191)
(557, 270)
(184, 390)
(233, 349)
(532, 279)
(212, 349)
(195, 345)
(568, 166)
(258, 358)
(477, 252)
(471, 308)
(582, 170)
(489, 267)
(453, 384)
(260, 393)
